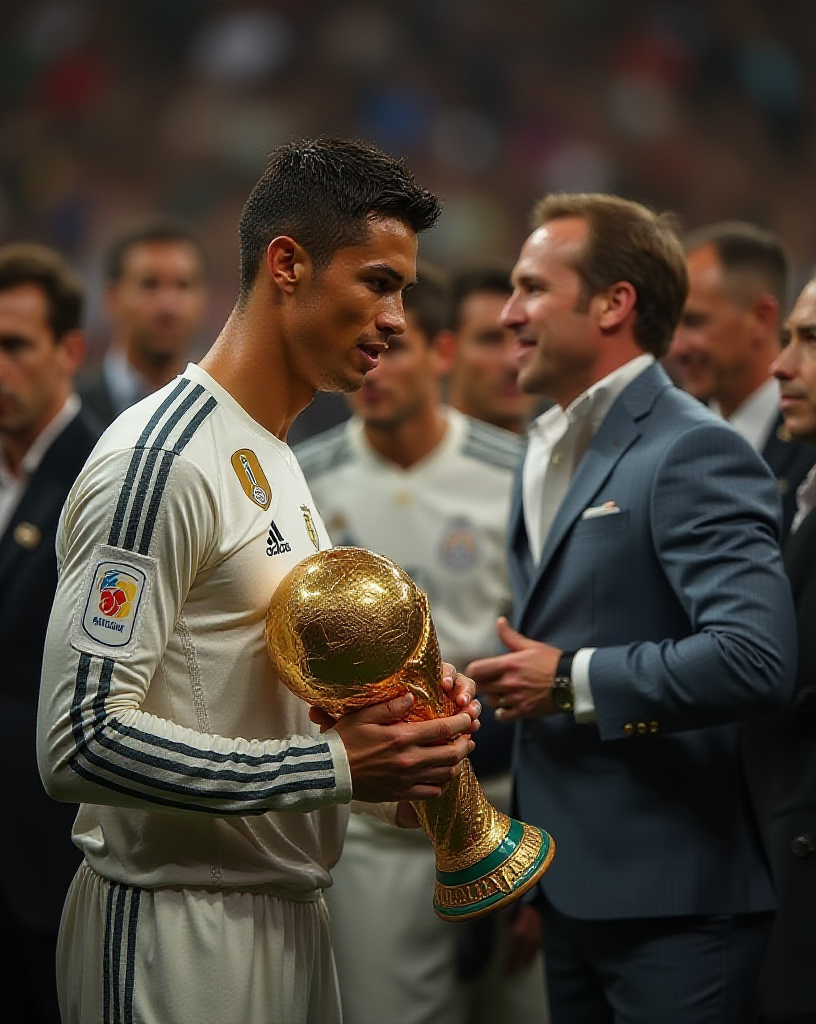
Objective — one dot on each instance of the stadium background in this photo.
(114, 108)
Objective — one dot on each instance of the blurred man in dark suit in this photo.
(44, 439)
(780, 749)
(728, 336)
(156, 298)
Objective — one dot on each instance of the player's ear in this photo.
(288, 263)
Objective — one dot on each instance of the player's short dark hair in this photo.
(27, 263)
(628, 242)
(742, 246)
(323, 193)
(429, 299)
(469, 278)
(152, 228)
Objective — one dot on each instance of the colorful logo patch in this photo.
(113, 602)
(252, 477)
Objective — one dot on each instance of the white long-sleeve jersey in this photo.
(160, 711)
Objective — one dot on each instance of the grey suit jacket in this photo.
(684, 596)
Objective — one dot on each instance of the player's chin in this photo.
(351, 379)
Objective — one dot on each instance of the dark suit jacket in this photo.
(780, 759)
(37, 857)
(92, 388)
(790, 462)
(684, 596)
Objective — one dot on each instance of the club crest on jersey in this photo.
(275, 543)
(310, 526)
(459, 548)
(252, 477)
(113, 602)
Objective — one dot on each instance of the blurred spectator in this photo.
(780, 749)
(699, 107)
(482, 381)
(156, 299)
(44, 439)
(430, 488)
(728, 337)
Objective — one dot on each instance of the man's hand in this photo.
(391, 759)
(518, 683)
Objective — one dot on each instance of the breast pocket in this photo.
(602, 526)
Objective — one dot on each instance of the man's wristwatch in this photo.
(561, 692)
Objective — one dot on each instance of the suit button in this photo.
(642, 728)
(654, 726)
(629, 728)
(803, 845)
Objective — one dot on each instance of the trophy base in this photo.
(497, 879)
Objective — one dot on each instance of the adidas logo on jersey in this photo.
(275, 544)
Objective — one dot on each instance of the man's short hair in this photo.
(323, 193)
(470, 278)
(154, 228)
(429, 300)
(27, 263)
(628, 242)
(745, 247)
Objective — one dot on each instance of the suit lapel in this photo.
(43, 498)
(616, 434)
(30, 525)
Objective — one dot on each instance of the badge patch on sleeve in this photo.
(115, 593)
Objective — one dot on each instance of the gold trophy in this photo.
(347, 628)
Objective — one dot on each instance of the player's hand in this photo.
(391, 759)
(462, 690)
(517, 683)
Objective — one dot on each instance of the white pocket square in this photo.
(609, 508)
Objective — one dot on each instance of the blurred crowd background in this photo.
(110, 110)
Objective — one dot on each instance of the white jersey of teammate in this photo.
(444, 520)
(160, 711)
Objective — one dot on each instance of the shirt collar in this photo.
(754, 418)
(596, 401)
(36, 453)
(126, 385)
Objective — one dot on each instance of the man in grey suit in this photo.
(651, 614)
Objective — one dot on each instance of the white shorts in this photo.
(192, 956)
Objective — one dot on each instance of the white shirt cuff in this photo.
(584, 705)
(342, 771)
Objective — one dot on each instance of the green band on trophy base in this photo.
(498, 879)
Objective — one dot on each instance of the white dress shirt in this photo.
(755, 417)
(559, 439)
(805, 499)
(126, 386)
(12, 488)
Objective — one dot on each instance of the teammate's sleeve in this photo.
(139, 555)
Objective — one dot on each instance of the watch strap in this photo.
(564, 668)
